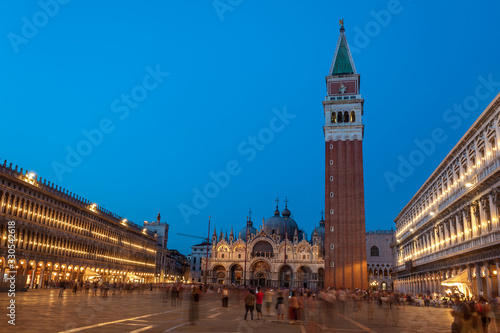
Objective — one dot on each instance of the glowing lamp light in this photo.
(494, 272)
(468, 185)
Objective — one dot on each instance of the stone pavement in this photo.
(43, 311)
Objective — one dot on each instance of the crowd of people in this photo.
(477, 315)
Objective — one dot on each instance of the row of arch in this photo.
(342, 117)
(27, 209)
(40, 274)
(263, 248)
(59, 245)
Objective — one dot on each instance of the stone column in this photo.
(32, 279)
(479, 280)
(497, 264)
(447, 234)
(493, 212)
(42, 270)
(488, 276)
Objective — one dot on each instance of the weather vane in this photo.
(341, 22)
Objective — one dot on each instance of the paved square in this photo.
(43, 311)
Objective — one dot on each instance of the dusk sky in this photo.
(138, 106)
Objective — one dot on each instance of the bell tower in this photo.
(345, 238)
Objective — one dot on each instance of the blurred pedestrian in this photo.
(259, 297)
(249, 303)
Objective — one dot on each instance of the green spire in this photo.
(342, 63)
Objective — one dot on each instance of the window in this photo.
(331, 162)
(239, 256)
(331, 194)
(333, 118)
(332, 228)
(332, 264)
(331, 211)
(331, 178)
(331, 146)
(222, 255)
(353, 116)
(374, 252)
(332, 246)
(339, 117)
(346, 117)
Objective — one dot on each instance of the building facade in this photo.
(56, 235)
(345, 250)
(160, 230)
(380, 259)
(198, 252)
(275, 255)
(448, 235)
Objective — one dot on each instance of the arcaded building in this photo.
(61, 236)
(448, 235)
(278, 254)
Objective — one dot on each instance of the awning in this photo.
(131, 276)
(90, 273)
(457, 280)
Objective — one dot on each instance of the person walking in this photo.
(293, 305)
(249, 303)
(268, 296)
(259, 297)
(280, 307)
(194, 306)
(225, 297)
(62, 286)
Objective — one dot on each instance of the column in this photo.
(497, 276)
(42, 270)
(447, 233)
(479, 281)
(493, 212)
(459, 229)
(32, 280)
(488, 277)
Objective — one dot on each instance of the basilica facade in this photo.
(278, 254)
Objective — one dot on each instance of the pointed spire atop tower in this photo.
(342, 59)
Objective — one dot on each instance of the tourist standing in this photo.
(249, 303)
(225, 297)
(259, 297)
(280, 307)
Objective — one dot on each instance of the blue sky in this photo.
(208, 76)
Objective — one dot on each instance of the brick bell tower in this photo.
(345, 238)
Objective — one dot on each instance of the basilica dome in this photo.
(276, 224)
(319, 230)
